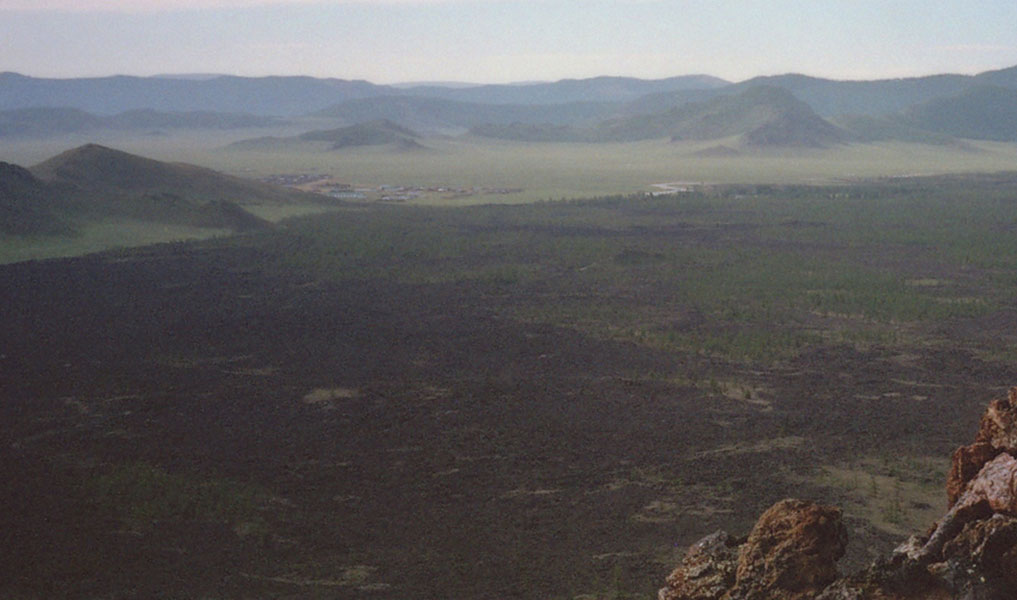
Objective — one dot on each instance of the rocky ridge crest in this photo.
(792, 552)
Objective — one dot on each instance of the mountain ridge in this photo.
(536, 110)
(43, 121)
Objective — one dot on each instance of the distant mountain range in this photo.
(984, 112)
(830, 98)
(596, 89)
(438, 114)
(793, 110)
(47, 121)
(92, 183)
(292, 96)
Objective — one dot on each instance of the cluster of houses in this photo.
(324, 184)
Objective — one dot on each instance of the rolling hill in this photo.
(865, 129)
(94, 183)
(440, 114)
(380, 132)
(372, 133)
(761, 117)
(100, 170)
(982, 113)
(830, 97)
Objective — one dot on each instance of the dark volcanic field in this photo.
(272, 416)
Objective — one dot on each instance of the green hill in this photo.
(372, 133)
(95, 182)
(760, 117)
(864, 128)
(380, 132)
(98, 169)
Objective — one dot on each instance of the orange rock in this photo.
(999, 423)
(967, 462)
(792, 552)
(997, 433)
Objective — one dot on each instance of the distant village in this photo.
(326, 185)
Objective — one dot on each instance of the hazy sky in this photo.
(388, 41)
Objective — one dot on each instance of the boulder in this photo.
(988, 548)
(997, 433)
(999, 423)
(790, 554)
(967, 462)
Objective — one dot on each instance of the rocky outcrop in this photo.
(708, 570)
(996, 434)
(791, 553)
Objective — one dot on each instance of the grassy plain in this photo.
(95, 237)
(552, 170)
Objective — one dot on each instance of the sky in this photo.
(498, 41)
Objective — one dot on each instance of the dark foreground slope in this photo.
(546, 401)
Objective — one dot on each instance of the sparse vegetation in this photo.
(610, 377)
(142, 494)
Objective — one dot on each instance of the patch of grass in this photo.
(141, 494)
(899, 495)
(96, 237)
(747, 273)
